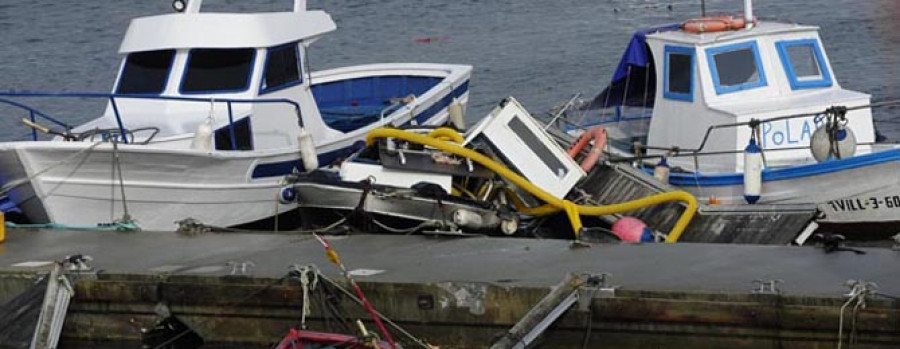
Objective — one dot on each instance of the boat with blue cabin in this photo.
(208, 113)
(735, 109)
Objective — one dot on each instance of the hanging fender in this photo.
(598, 134)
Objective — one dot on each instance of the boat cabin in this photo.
(732, 76)
(175, 63)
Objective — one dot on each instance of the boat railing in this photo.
(570, 115)
(34, 113)
(837, 112)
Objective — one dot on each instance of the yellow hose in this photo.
(554, 204)
(446, 134)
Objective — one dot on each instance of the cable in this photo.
(379, 314)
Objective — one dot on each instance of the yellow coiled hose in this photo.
(553, 204)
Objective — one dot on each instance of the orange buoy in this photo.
(596, 133)
(714, 24)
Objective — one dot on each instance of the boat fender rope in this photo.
(307, 283)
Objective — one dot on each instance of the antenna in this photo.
(299, 5)
(748, 14)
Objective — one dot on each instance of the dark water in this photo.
(536, 50)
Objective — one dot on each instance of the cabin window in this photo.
(146, 72)
(679, 73)
(282, 68)
(804, 63)
(736, 67)
(218, 70)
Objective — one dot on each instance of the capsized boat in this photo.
(500, 178)
(748, 111)
(208, 113)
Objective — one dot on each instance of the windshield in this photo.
(146, 72)
(218, 70)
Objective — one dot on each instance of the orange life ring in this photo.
(714, 24)
(598, 134)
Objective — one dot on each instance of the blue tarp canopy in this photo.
(635, 73)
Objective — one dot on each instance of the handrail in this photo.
(112, 99)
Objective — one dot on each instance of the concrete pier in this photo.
(462, 293)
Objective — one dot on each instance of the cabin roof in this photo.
(762, 28)
(223, 30)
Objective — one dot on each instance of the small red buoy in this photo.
(630, 229)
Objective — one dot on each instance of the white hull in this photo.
(74, 183)
(867, 192)
(160, 186)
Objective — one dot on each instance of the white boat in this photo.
(697, 97)
(207, 115)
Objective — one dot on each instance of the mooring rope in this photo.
(377, 313)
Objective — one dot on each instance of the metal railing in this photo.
(112, 97)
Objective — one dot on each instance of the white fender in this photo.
(457, 117)
(753, 166)
(203, 136)
(307, 150)
(661, 171)
(820, 145)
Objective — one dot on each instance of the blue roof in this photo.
(636, 55)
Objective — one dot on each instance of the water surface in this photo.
(539, 51)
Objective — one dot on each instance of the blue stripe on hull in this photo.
(793, 172)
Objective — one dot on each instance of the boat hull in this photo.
(860, 195)
(79, 184)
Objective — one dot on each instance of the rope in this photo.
(118, 169)
(858, 292)
(425, 224)
(214, 322)
(377, 313)
(192, 225)
(306, 284)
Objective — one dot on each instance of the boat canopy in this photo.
(634, 82)
(224, 30)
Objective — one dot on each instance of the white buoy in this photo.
(661, 171)
(753, 165)
(203, 136)
(820, 144)
(457, 118)
(307, 150)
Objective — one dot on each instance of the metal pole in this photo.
(702, 8)
(231, 128)
(33, 130)
(112, 102)
(748, 14)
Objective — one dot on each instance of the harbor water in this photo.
(541, 52)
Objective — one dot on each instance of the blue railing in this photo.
(34, 113)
